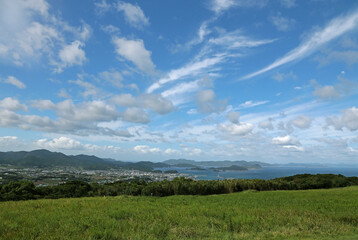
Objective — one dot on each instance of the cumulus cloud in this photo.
(332, 92)
(66, 143)
(135, 52)
(59, 143)
(89, 88)
(124, 100)
(288, 142)
(236, 129)
(133, 14)
(267, 124)
(14, 81)
(279, 77)
(12, 104)
(144, 149)
(170, 151)
(207, 103)
(154, 102)
(71, 54)
(349, 57)
(34, 35)
(349, 120)
(135, 115)
(233, 117)
(301, 122)
(112, 77)
(79, 119)
(192, 151)
(63, 93)
(157, 103)
(43, 104)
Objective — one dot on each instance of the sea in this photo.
(270, 172)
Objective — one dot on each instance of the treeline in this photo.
(25, 190)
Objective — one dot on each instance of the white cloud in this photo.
(288, 3)
(191, 69)
(285, 141)
(171, 151)
(63, 93)
(33, 35)
(157, 103)
(331, 92)
(326, 92)
(102, 7)
(144, 149)
(135, 115)
(192, 151)
(71, 54)
(267, 124)
(349, 120)
(12, 104)
(135, 51)
(207, 103)
(350, 57)
(336, 28)
(59, 143)
(113, 77)
(133, 14)
(250, 104)
(238, 129)
(178, 93)
(43, 104)
(82, 119)
(301, 122)
(282, 23)
(233, 117)
(219, 6)
(89, 89)
(283, 76)
(235, 39)
(124, 100)
(14, 81)
(68, 144)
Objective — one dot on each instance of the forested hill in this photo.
(47, 159)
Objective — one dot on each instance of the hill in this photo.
(224, 163)
(46, 159)
(313, 214)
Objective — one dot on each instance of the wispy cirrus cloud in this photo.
(336, 28)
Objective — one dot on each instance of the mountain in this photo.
(46, 159)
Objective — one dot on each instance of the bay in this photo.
(264, 173)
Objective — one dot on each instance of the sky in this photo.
(256, 80)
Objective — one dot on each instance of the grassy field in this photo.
(310, 214)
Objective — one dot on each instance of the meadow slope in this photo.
(308, 214)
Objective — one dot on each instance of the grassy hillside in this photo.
(309, 214)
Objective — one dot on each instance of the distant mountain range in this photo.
(46, 159)
(225, 163)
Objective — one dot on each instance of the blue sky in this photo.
(273, 81)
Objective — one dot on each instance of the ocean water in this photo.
(265, 172)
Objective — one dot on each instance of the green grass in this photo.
(311, 214)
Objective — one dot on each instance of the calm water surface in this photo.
(265, 172)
